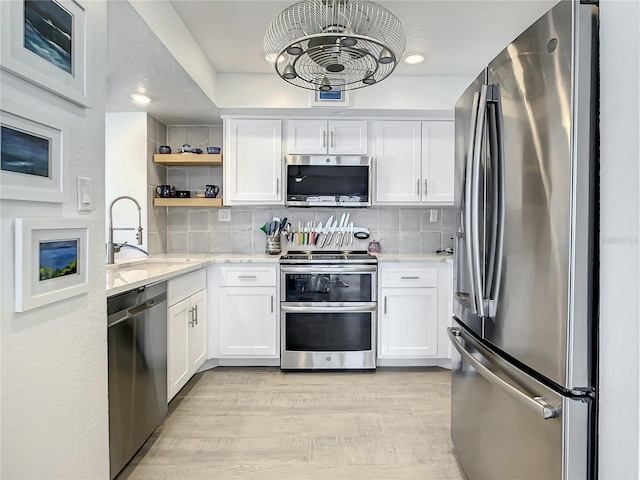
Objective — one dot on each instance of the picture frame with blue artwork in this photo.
(333, 98)
(31, 155)
(51, 261)
(44, 42)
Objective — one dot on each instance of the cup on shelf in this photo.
(164, 191)
(211, 191)
(213, 149)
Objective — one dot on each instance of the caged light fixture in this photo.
(335, 44)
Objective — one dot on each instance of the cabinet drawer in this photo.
(182, 287)
(410, 277)
(248, 276)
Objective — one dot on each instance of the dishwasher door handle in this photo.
(138, 309)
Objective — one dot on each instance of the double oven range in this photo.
(328, 310)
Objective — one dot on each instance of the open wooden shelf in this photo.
(187, 202)
(188, 159)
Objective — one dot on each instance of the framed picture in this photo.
(30, 159)
(43, 42)
(332, 98)
(51, 261)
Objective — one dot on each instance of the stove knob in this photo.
(328, 359)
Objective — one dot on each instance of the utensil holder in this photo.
(273, 244)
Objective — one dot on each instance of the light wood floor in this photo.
(260, 423)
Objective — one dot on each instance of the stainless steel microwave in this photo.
(328, 180)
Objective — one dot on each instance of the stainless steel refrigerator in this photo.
(524, 397)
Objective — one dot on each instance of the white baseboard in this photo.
(414, 362)
(248, 362)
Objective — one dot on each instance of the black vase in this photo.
(164, 149)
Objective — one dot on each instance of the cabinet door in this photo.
(178, 317)
(198, 331)
(306, 137)
(397, 162)
(437, 162)
(409, 322)
(253, 162)
(347, 137)
(248, 326)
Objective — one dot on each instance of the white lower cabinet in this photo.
(248, 322)
(246, 313)
(187, 329)
(414, 311)
(409, 322)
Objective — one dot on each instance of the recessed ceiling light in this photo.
(414, 58)
(140, 98)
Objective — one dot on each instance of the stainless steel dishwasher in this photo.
(137, 326)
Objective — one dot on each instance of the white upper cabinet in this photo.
(414, 162)
(253, 162)
(437, 162)
(335, 137)
(398, 162)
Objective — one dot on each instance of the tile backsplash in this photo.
(400, 230)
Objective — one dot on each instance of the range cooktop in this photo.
(328, 256)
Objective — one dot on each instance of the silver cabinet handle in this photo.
(195, 311)
(277, 186)
(409, 278)
(418, 186)
(193, 319)
(331, 138)
(247, 276)
(425, 187)
(385, 304)
(537, 404)
(324, 138)
(271, 303)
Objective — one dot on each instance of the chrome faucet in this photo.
(112, 248)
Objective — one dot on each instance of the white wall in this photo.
(165, 22)
(126, 174)
(53, 359)
(619, 262)
(398, 92)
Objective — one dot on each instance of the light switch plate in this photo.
(224, 215)
(84, 194)
(433, 215)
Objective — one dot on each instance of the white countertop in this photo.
(132, 274)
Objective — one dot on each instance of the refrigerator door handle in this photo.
(469, 203)
(536, 404)
(474, 234)
(496, 142)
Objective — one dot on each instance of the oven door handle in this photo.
(335, 308)
(336, 269)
